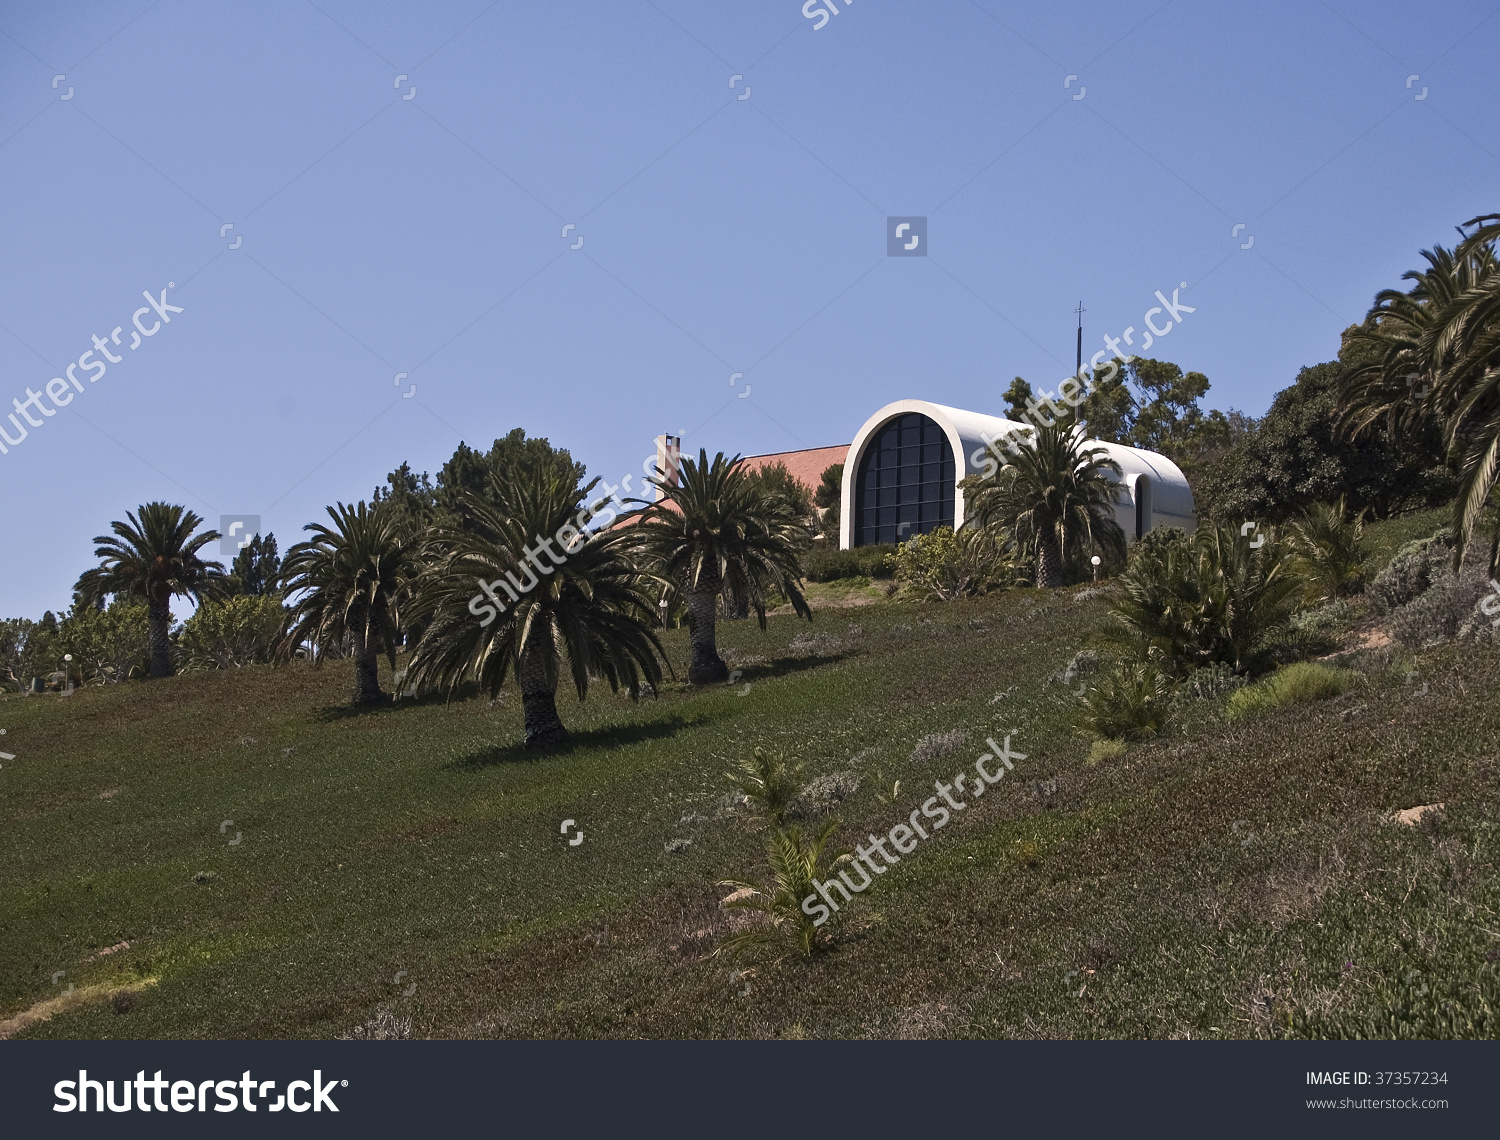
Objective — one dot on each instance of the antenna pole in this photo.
(1078, 371)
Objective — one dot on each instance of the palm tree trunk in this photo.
(158, 626)
(539, 696)
(1048, 562)
(366, 671)
(706, 666)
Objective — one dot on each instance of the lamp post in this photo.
(1095, 561)
(67, 673)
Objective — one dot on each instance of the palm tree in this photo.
(717, 531)
(354, 578)
(1435, 351)
(154, 557)
(1054, 494)
(1328, 549)
(594, 607)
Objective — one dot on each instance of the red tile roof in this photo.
(806, 467)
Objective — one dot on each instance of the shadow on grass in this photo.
(785, 666)
(612, 736)
(386, 706)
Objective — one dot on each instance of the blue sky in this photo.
(381, 234)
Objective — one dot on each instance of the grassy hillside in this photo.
(1230, 879)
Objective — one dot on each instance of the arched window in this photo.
(1142, 505)
(905, 482)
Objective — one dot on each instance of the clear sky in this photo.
(415, 225)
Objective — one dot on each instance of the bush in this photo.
(1133, 701)
(107, 645)
(1321, 629)
(1412, 570)
(943, 566)
(1440, 612)
(861, 562)
(1293, 685)
(242, 630)
(1190, 601)
(1211, 682)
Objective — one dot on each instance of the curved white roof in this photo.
(1169, 499)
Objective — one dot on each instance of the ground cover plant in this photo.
(240, 853)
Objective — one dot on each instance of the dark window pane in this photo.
(908, 471)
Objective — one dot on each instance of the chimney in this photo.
(668, 459)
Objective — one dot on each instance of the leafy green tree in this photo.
(154, 557)
(21, 643)
(511, 461)
(829, 499)
(246, 629)
(1154, 405)
(30, 649)
(256, 568)
(420, 503)
(1053, 495)
(1107, 410)
(775, 479)
(592, 611)
(1016, 398)
(353, 579)
(1297, 456)
(108, 645)
(716, 531)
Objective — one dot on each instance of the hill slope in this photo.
(282, 867)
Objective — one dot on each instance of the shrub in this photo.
(772, 786)
(1132, 701)
(768, 783)
(1211, 682)
(1293, 685)
(943, 566)
(242, 630)
(1320, 630)
(820, 795)
(1441, 610)
(1412, 570)
(1211, 597)
(107, 645)
(863, 561)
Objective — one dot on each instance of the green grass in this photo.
(1295, 684)
(1222, 880)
